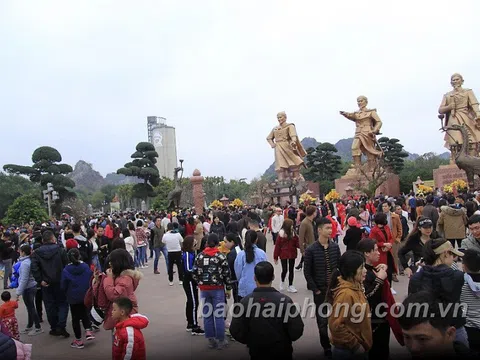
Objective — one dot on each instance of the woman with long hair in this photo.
(422, 232)
(245, 264)
(92, 238)
(438, 276)
(382, 234)
(190, 286)
(286, 247)
(351, 334)
(121, 281)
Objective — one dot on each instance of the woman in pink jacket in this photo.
(121, 281)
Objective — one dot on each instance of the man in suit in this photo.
(396, 228)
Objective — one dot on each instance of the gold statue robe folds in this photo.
(366, 122)
(465, 112)
(286, 157)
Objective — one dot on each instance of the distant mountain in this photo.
(119, 179)
(85, 177)
(344, 147)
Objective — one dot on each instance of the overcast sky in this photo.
(82, 76)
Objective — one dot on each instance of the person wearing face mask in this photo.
(438, 276)
(414, 245)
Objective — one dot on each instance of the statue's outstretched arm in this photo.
(349, 116)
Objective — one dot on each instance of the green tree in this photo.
(143, 167)
(214, 187)
(161, 190)
(323, 165)
(125, 192)
(393, 154)
(236, 189)
(423, 166)
(24, 209)
(98, 199)
(13, 186)
(46, 169)
(110, 191)
(392, 161)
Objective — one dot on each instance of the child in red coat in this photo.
(128, 341)
(286, 249)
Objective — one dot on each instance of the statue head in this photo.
(281, 117)
(456, 80)
(362, 102)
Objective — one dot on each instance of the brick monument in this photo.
(198, 193)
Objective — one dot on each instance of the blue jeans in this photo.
(213, 311)
(56, 306)
(142, 255)
(157, 252)
(29, 300)
(96, 262)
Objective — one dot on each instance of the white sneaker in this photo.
(170, 283)
(180, 283)
(282, 285)
(393, 291)
(292, 289)
(35, 332)
(26, 330)
(146, 266)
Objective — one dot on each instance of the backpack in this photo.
(96, 301)
(15, 275)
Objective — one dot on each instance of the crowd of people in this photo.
(92, 267)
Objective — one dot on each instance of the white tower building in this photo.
(163, 138)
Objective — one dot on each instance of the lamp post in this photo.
(50, 195)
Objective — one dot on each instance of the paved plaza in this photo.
(166, 337)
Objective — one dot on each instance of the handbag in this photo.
(97, 314)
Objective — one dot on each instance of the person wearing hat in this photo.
(414, 245)
(438, 276)
(354, 234)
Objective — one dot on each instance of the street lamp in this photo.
(50, 195)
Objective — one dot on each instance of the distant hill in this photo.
(119, 179)
(344, 151)
(85, 177)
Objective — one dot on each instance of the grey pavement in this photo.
(166, 337)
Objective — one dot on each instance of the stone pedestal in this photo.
(281, 193)
(445, 174)
(197, 190)
(348, 184)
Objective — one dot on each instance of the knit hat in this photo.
(352, 221)
(71, 244)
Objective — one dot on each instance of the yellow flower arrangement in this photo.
(459, 184)
(237, 202)
(307, 198)
(216, 204)
(332, 195)
(425, 189)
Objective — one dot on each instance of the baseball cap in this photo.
(425, 223)
(71, 244)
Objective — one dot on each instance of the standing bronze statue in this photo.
(460, 107)
(367, 126)
(175, 195)
(289, 152)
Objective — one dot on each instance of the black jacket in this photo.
(413, 245)
(48, 262)
(352, 236)
(315, 265)
(218, 229)
(268, 337)
(445, 282)
(8, 349)
(373, 291)
(86, 249)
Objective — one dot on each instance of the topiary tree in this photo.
(143, 167)
(46, 169)
(323, 165)
(24, 209)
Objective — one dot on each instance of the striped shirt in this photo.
(471, 297)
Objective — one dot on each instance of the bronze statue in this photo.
(289, 152)
(175, 195)
(460, 107)
(368, 125)
(468, 163)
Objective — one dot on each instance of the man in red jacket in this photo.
(128, 342)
